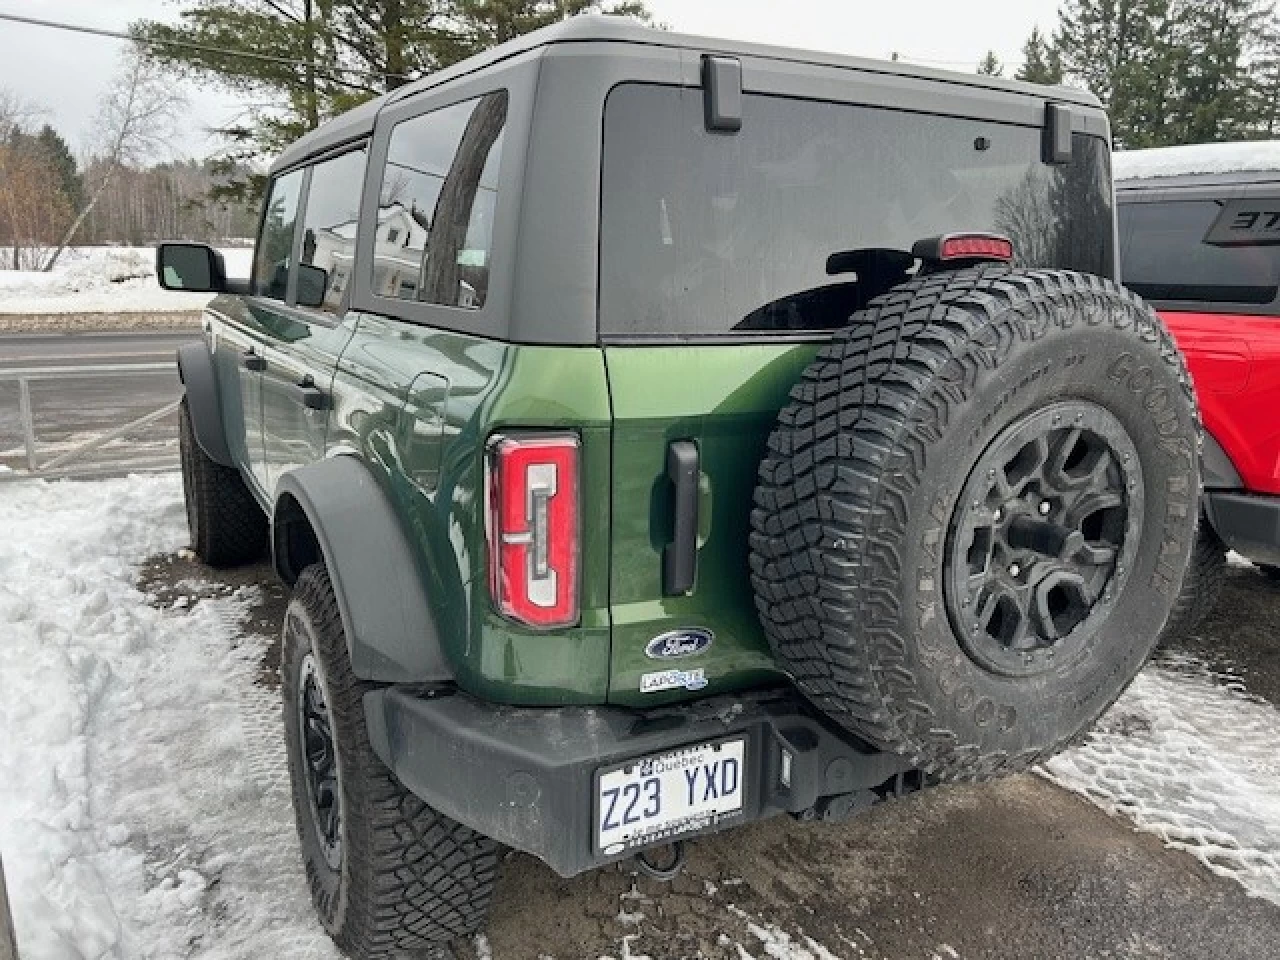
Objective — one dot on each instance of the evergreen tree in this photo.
(1221, 40)
(59, 155)
(990, 65)
(1126, 52)
(1040, 60)
(1264, 110)
(313, 59)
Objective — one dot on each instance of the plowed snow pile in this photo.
(132, 824)
(1194, 759)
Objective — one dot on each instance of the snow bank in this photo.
(1192, 758)
(138, 815)
(1257, 156)
(104, 280)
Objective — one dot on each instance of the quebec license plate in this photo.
(668, 795)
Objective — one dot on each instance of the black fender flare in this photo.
(1218, 472)
(391, 633)
(195, 370)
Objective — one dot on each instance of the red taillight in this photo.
(965, 246)
(533, 527)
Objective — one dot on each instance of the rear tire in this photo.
(1201, 587)
(974, 517)
(227, 526)
(388, 874)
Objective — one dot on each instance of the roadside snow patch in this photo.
(105, 280)
(135, 821)
(1261, 156)
(1191, 757)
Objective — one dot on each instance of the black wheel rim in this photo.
(319, 762)
(1042, 538)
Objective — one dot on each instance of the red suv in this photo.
(1200, 239)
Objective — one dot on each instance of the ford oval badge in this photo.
(679, 643)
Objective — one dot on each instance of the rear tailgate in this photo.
(725, 400)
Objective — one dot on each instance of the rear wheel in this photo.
(1202, 585)
(388, 874)
(974, 516)
(227, 526)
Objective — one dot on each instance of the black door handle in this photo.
(309, 395)
(680, 556)
(252, 361)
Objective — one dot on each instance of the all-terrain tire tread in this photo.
(1201, 587)
(229, 527)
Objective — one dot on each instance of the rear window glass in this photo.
(1201, 250)
(707, 233)
(437, 203)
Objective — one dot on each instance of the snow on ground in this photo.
(143, 806)
(1193, 758)
(105, 280)
(1257, 156)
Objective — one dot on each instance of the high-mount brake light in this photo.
(533, 527)
(965, 247)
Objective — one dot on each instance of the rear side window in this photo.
(274, 253)
(1201, 250)
(706, 233)
(329, 230)
(437, 202)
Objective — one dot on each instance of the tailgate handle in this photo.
(252, 361)
(680, 556)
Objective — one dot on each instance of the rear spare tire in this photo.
(974, 516)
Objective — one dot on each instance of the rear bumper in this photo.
(1248, 523)
(525, 776)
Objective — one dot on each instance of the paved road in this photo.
(69, 411)
(22, 349)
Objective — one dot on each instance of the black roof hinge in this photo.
(1059, 123)
(722, 93)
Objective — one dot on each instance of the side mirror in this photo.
(191, 267)
(313, 283)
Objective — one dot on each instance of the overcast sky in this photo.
(67, 73)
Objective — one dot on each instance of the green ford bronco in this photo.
(660, 434)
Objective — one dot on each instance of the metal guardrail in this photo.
(69, 462)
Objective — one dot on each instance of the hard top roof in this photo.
(358, 122)
(1195, 165)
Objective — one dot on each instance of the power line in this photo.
(188, 45)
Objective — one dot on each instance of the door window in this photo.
(274, 252)
(437, 202)
(329, 231)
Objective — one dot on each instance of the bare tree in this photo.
(16, 113)
(136, 120)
